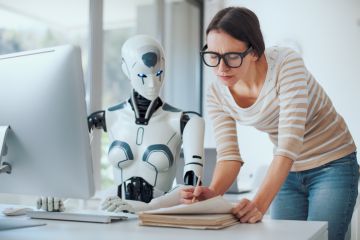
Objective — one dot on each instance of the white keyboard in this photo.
(80, 215)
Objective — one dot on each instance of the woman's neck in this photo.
(252, 83)
(246, 92)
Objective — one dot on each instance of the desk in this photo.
(268, 229)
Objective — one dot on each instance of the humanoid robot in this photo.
(146, 134)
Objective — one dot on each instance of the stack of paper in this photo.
(214, 213)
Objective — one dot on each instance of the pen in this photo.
(197, 184)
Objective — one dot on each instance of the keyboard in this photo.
(96, 216)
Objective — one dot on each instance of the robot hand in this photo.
(50, 204)
(116, 204)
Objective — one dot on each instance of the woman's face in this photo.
(221, 42)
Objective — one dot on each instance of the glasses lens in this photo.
(210, 59)
(233, 60)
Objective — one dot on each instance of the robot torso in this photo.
(146, 151)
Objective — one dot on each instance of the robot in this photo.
(146, 134)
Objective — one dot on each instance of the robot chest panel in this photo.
(142, 135)
(154, 145)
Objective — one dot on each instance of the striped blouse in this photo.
(292, 108)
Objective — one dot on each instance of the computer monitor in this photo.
(42, 99)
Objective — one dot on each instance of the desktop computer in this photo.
(42, 100)
(44, 139)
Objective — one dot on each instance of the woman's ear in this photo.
(254, 56)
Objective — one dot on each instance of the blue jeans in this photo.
(326, 193)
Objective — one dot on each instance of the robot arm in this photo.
(193, 147)
(97, 120)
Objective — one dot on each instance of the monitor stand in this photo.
(4, 166)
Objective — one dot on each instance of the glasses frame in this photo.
(223, 56)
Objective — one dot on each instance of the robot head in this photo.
(143, 63)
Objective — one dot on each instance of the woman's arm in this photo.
(275, 177)
(225, 174)
(253, 211)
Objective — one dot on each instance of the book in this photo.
(213, 213)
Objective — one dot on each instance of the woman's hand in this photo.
(198, 193)
(247, 212)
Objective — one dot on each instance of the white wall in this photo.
(327, 32)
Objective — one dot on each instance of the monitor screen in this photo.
(42, 99)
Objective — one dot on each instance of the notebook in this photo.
(214, 213)
(80, 215)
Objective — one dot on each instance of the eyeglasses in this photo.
(231, 59)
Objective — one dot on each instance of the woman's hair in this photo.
(240, 23)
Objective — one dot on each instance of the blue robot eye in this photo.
(159, 73)
(142, 75)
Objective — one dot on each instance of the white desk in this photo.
(129, 229)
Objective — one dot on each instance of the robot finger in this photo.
(124, 208)
(108, 201)
(61, 206)
(50, 204)
(105, 205)
(111, 207)
(39, 203)
(56, 204)
(44, 203)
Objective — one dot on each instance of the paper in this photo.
(214, 205)
(214, 213)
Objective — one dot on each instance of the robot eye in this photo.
(159, 73)
(142, 75)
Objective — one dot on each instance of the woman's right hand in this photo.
(199, 193)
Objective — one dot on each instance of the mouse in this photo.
(16, 211)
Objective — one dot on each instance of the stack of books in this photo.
(214, 213)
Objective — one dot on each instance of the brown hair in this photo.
(240, 23)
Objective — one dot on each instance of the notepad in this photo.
(214, 213)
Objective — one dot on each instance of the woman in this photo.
(314, 172)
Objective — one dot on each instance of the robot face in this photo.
(144, 65)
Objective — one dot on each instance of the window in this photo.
(121, 20)
(26, 25)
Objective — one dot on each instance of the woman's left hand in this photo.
(247, 212)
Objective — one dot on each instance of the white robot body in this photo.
(146, 134)
(146, 151)
(193, 145)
